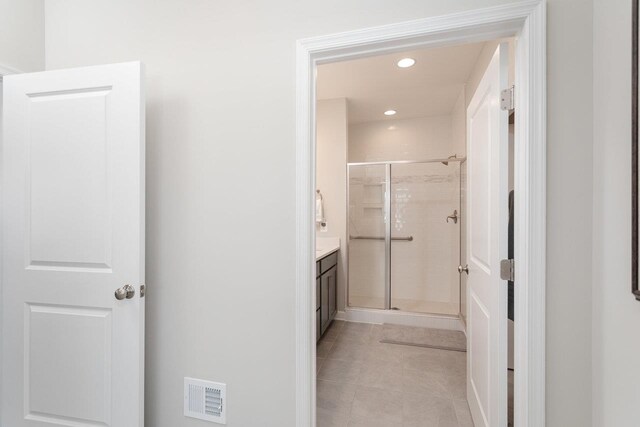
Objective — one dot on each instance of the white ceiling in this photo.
(376, 84)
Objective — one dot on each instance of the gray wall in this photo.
(220, 218)
(569, 207)
(331, 178)
(22, 34)
(616, 346)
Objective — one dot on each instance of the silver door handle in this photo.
(454, 217)
(126, 291)
(465, 269)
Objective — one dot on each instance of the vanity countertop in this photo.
(326, 246)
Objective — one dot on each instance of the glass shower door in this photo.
(425, 239)
(367, 246)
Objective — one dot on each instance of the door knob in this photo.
(126, 291)
(465, 269)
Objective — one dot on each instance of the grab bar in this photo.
(406, 239)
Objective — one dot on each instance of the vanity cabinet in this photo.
(326, 292)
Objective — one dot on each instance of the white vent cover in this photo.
(205, 400)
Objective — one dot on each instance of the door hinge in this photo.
(507, 269)
(507, 101)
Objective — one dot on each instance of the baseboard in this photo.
(362, 315)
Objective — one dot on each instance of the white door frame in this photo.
(527, 21)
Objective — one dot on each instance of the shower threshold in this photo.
(399, 317)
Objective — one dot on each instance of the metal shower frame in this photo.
(387, 225)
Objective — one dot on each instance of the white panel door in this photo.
(73, 233)
(487, 210)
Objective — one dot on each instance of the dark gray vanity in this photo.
(326, 292)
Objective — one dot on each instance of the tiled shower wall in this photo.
(424, 276)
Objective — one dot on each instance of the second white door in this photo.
(487, 210)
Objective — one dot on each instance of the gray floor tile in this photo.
(327, 418)
(456, 384)
(421, 410)
(353, 350)
(428, 359)
(389, 353)
(323, 347)
(462, 413)
(355, 332)
(349, 350)
(424, 359)
(377, 406)
(335, 397)
(425, 382)
(333, 331)
(381, 375)
(319, 362)
(345, 371)
(362, 382)
(368, 422)
(362, 328)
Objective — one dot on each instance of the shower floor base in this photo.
(408, 305)
(398, 317)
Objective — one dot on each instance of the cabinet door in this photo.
(332, 277)
(324, 301)
(318, 294)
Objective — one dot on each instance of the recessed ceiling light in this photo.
(406, 62)
(390, 112)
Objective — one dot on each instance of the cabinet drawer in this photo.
(329, 261)
(318, 293)
(318, 272)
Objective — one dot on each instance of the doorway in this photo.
(525, 22)
(412, 119)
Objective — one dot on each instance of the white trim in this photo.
(530, 231)
(526, 20)
(364, 315)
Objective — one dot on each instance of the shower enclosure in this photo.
(404, 236)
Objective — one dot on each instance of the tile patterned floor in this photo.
(362, 382)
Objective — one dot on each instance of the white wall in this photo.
(420, 138)
(221, 192)
(616, 346)
(22, 34)
(331, 178)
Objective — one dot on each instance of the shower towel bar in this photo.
(407, 239)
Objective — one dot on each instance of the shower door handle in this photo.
(454, 217)
(463, 269)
